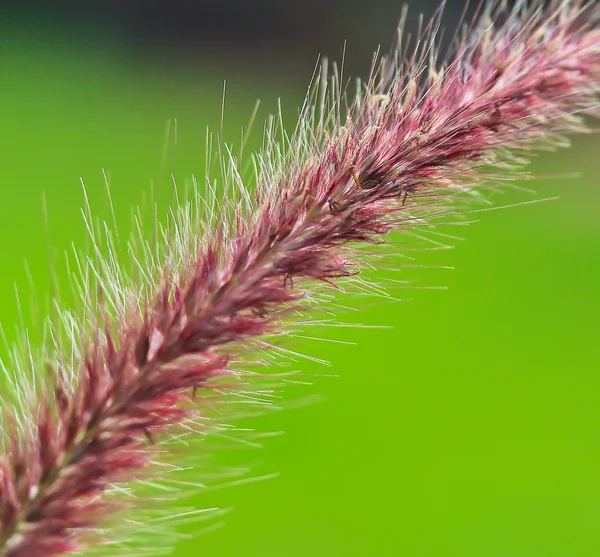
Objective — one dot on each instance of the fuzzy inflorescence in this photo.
(418, 139)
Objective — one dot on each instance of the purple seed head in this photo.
(414, 144)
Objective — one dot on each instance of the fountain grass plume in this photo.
(167, 346)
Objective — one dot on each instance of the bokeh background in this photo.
(471, 427)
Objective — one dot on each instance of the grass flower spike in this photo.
(413, 147)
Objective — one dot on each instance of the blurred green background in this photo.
(471, 428)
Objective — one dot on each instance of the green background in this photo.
(471, 428)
